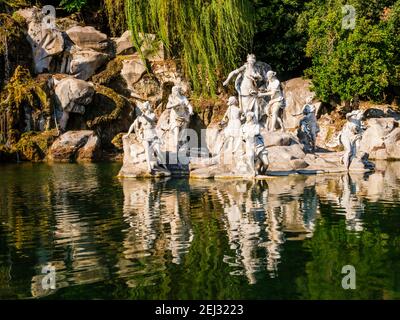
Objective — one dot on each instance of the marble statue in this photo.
(144, 128)
(232, 120)
(180, 112)
(276, 103)
(350, 136)
(250, 79)
(308, 127)
(255, 151)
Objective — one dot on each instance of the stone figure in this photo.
(179, 119)
(250, 79)
(255, 152)
(308, 127)
(232, 130)
(276, 103)
(350, 136)
(144, 128)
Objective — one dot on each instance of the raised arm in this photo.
(232, 74)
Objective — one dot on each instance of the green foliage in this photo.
(350, 63)
(277, 40)
(73, 5)
(115, 11)
(210, 37)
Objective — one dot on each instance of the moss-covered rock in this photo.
(7, 155)
(34, 146)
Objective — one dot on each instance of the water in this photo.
(286, 238)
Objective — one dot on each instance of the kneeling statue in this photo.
(144, 128)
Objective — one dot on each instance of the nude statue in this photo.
(277, 102)
(144, 128)
(232, 130)
(351, 135)
(181, 111)
(254, 145)
(246, 85)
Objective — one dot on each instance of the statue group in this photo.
(256, 110)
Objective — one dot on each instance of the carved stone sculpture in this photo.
(232, 119)
(276, 103)
(179, 118)
(308, 127)
(256, 156)
(350, 136)
(251, 77)
(144, 127)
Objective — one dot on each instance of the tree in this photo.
(210, 37)
(348, 63)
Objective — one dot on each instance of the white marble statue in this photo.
(179, 119)
(308, 127)
(351, 135)
(232, 119)
(276, 103)
(255, 152)
(248, 83)
(144, 128)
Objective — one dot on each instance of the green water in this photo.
(286, 238)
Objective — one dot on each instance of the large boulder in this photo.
(151, 48)
(381, 140)
(74, 94)
(85, 63)
(81, 146)
(296, 92)
(46, 41)
(88, 38)
(132, 71)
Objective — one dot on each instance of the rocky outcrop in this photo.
(381, 140)
(46, 42)
(74, 94)
(296, 92)
(85, 63)
(81, 146)
(88, 38)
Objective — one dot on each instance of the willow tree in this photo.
(209, 36)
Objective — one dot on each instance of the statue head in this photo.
(232, 101)
(251, 59)
(308, 108)
(271, 74)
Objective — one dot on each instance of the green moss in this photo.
(115, 114)
(33, 146)
(22, 90)
(117, 141)
(11, 28)
(112, 72)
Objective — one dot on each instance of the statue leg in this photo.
(250, 155)
(147, 150)
(280, 121)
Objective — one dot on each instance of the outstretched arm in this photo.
(232, 74)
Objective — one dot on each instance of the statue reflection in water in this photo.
(158, 222)
(259, 220)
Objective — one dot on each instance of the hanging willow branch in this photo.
(209, 36)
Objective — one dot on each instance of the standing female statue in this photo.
(179, 118)
(277, 102)
(246, 85)
(232, 130)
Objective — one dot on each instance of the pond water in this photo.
(284, 238)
